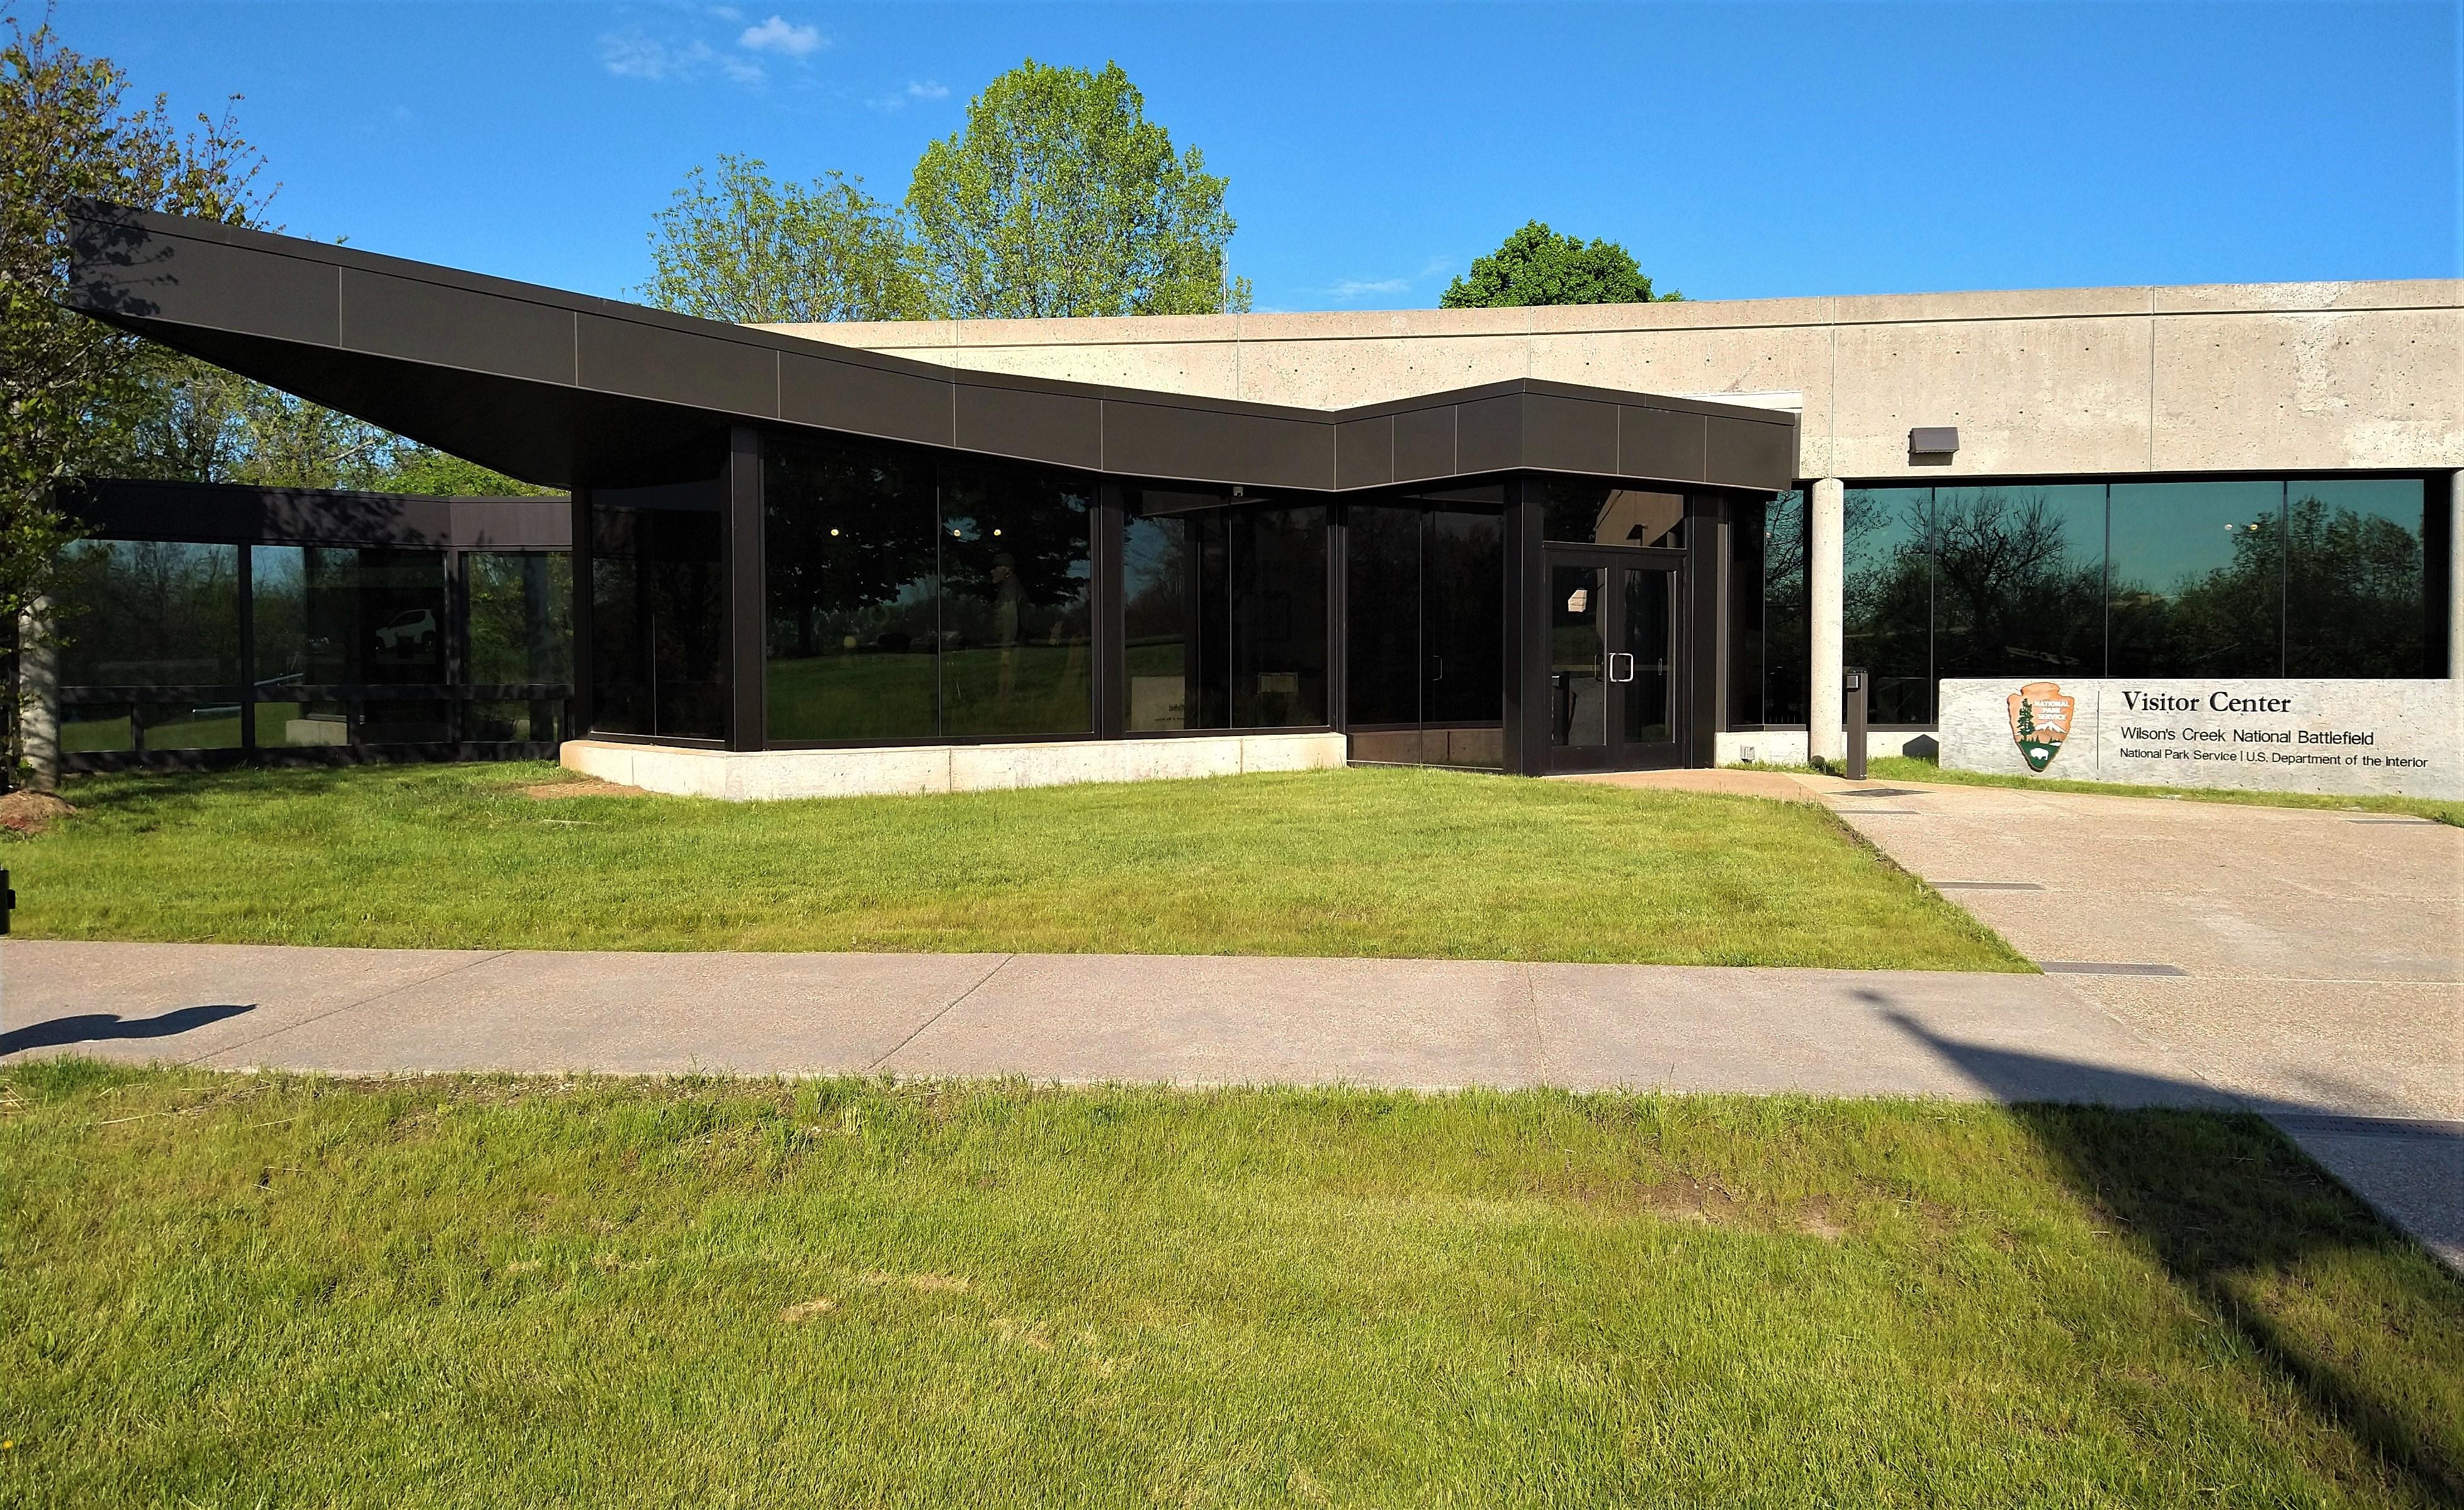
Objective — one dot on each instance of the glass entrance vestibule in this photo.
(823, 592)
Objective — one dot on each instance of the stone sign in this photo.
(2356, 738)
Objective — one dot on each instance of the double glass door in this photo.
(1613, 658)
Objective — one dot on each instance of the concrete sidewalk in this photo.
(1087, 1019)
(2308, 964)
(2309, 961)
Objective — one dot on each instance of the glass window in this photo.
(1383, 615)
(1604, 514)
(1424, 605)
(658, 620)
(1015, 628)
(1788, 632)
(494, 722)
(1888, 607)
(277, 585)
(520, 625)
(1278, 616)
(303, 724)
(2018, 581)
(853, 593)
(148, 614)
(1463, 606)
(1233, 602)
(422, 720)
(1578, 657)
(97, 728)
(1159, 602)
(343, 615)
(2357, 588)
(191, 725)
(2196, 580)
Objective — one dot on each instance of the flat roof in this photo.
(572, 390)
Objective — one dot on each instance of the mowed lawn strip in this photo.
(490, 1292)
(1395, 864)
(1912, 767)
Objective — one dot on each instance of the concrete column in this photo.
(38, 699)
(1826, 579)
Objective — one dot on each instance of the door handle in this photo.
(1439, 675)
(1616, 655)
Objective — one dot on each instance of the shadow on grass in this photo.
(2240, 1218)
(102, 1026)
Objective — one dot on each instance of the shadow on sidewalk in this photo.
(2254, 1233)
(103, 1026)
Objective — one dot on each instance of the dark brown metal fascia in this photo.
(615, 358)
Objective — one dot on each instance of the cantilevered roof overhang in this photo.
(570, 391)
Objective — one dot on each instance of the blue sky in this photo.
(1740, 150)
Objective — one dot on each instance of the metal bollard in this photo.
(1852, 688)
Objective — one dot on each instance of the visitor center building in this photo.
(939, 555)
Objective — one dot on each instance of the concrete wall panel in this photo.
(2028, 396)
(2370, 388)
(2097, 380)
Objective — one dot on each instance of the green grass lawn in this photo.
(271, 1291)
(1396, 862)
(1913, 768)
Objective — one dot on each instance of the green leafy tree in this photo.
(738, 245)
(1061, 198)
(1537, 266)
(68, 384)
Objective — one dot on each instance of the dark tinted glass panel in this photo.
(1014, 616)
(1650, 641)
(520, 625)
(1383, 614)
(419, 720)
(1600, 514)
(97, 728)
(1277, 563)
(2197, 580)
(1464, 608)
(1889, 600)
(1746, 600)
(2018, 581)
(191, 725)
(496, 723)
(1159, 598)
(2357, 598)
(148, 614)
(1577, 656)
(347, 616)
(309, 724)
(1788, 644)
(277, 577)
(658, 620)
(854, 612)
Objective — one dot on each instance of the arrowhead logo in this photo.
(2040, 720)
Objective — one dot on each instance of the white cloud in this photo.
(632, 53)
(923, 90)
(779, 35)
(1359, 287)
(635, 53)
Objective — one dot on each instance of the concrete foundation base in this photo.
(912, 769)
(1787, 746)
